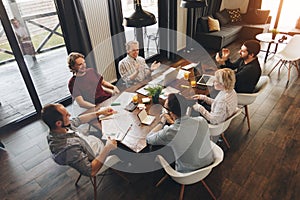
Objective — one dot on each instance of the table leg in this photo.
(267, 52)
(276, 47)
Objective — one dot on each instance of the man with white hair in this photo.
(133, 67)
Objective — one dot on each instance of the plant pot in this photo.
(155, 99)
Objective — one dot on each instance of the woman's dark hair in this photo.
(177, 104)
(50, 115)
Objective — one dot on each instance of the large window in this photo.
(289, 13)
(36, 31)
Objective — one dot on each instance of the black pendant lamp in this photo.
(140, 17)
(193, 3)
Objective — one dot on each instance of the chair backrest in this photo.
(194, 176)
(248, 98)
(217, 129)
(292, 50)
(108, 163)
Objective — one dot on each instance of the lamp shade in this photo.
(193, 3)
(139, 18)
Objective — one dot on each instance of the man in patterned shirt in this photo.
(133, 67)
(86, 154)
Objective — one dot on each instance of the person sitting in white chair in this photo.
(187, 136)
(225, 103)
(133, 67)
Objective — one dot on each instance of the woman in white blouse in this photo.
(225, 103)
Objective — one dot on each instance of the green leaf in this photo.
(154, 90)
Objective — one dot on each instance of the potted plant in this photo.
(154, 91)
(274, 32)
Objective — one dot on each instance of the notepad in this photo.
(145, 118)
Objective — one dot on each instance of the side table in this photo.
(267, 38)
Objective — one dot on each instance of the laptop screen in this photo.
(170, 77)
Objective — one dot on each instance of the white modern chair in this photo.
(194, 176)
(152, 36)
(289, 56)
(245, 99)
(108, 163)
(219, 129)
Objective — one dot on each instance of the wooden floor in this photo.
(263, 163)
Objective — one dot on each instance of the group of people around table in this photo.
(188, 136)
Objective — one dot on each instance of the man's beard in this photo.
(245, 57)
(65, 126)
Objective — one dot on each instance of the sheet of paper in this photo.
(180, 74)
(135, 143)
(121, 128)
(189, 66)
(124, 99)
(118, 125)
(166, 91)
(143, 91)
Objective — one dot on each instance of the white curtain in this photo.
(232, 4)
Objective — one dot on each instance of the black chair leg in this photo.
(78, 179)
(2, 145)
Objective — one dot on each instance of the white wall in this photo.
(181, 26)
(97, 18)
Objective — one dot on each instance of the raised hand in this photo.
(197, 97)
(106, 111)
(155, 65)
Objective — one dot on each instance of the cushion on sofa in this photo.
(223, 17)
(257, 16)
(213, 24)
(235, 15)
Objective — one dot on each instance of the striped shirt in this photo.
(127, 68)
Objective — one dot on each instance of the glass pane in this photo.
(150, 33)
(15, 100)
(39, 35)
(50, 73)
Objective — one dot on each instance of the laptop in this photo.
(166, 78)
(198, 70)
(145, 118)
(169, 78)
(206, 79)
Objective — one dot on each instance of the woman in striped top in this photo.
(225, 103)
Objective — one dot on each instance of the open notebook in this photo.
(145, 118)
